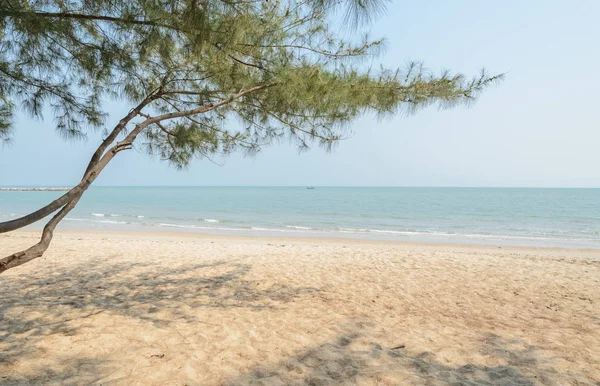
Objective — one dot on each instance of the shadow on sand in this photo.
(353, 359)
(35, 306)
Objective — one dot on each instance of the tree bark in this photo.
(117, 130)
(39, 214)
(38, 249)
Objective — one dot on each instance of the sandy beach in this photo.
(104, 308)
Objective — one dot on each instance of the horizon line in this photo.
(305, 186)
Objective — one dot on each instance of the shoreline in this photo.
(261, 239)
(385, 236)
(545, 218)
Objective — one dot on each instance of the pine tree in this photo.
(190, 68)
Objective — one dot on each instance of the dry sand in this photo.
(169, 309)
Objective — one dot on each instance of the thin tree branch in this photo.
(117, 130)
(205, 108)
(320, 52)
(249, 64)
(81, 16)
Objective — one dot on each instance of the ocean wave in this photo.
(190, 226)
(78, 219)
(265, 229)
(298, 227)
(408, 233)
(412, 233)
(187, 226)
(117, 215)
(168, 225)
(459, 235)
(382, 231)
(516, 237)
(517, 234)
(112, 222)
(261, 229)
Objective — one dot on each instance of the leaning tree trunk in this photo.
(38, 249)
(77, 190)
(39, 214)
(69, 200)
(99, 160)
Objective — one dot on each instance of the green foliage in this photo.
(71, 54)
(6, 114)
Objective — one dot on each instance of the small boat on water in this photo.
(310, 187)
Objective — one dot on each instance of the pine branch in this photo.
(81, 16)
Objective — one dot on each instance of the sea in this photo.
(498, 216)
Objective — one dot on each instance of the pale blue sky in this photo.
(539, 127)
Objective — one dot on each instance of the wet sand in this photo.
(104, 308)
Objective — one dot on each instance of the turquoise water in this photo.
(536, 217)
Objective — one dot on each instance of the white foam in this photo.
(112, 222)
(298, 227)
(353, 230)
(211, 220)
(98, 214)
(396, 232)
(459, 235)
(162, 224)
(268, 229)
(168, 225)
